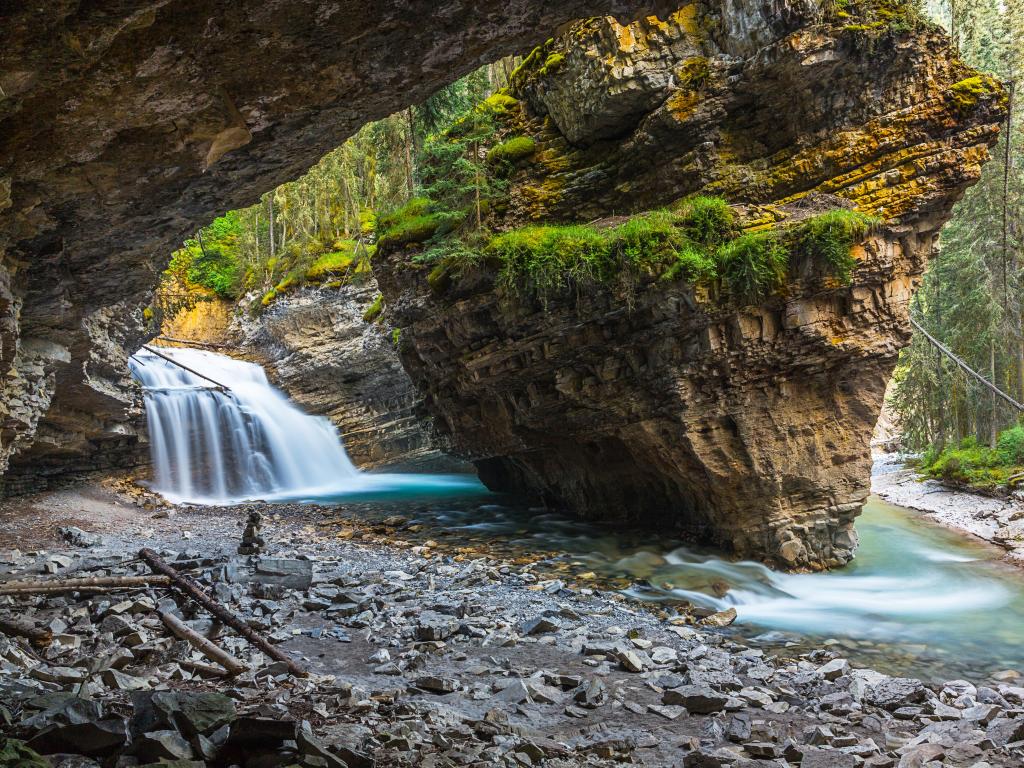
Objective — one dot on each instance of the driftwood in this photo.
(89, 584)
(202, 644)
(190, 588)
(35, 635)
(216, 384)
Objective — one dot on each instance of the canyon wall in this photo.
(676, 405)
(317, 347)
(124, 127)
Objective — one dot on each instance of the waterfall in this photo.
(248, 441)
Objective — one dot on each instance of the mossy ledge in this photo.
(605, 332)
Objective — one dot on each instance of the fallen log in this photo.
(191, 588)
(88, 584)
(37, 636)
(211, 651)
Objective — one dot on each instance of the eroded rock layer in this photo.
(126, 126)
(673, 405)
(317, 346)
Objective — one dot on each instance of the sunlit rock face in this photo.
(125, 126)
(669, 406)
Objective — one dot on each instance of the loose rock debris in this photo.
(415, 659)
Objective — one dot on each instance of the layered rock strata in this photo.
(317, 346)
(670, 404)
(125, 127)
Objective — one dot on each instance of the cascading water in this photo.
(247, 441)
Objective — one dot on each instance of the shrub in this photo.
(830, 237)
(1010, 445)
(707, 220)
(374, 310)
(753, 265)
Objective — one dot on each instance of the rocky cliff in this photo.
(317, 346)
(675, 403)
(126, 126)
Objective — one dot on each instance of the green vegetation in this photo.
(375, 309)
(972, 294)
(829, 238)
(707, 220)
(969, 463)
(16, 754)
(512, 151)
(699, 242)
(753, 266)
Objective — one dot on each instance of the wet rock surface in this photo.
(421, 656)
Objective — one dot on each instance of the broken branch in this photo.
(90, 584)
(190, 588)
(211, 651)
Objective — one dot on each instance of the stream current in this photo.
(917, 599)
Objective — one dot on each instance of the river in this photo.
(917, 600)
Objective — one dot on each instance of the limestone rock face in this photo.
(126, 126)
(316, 346)
(669, 405)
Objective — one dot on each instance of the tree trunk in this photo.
(410, 138)
(993, 430)
(270, 203)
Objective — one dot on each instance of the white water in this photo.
(251, 442)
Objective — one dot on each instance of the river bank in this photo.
(422, 652)
(995, 520)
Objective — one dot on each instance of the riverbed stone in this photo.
(699, 699)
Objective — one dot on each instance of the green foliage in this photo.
(414, 222)
(210, 259)
(829, 238)
(977, 465)
(374, 310)
(330, 264)
(695, 73)
(1010, 445)
(545, 259)
(707, 220)
(512, 151)
(753, 266)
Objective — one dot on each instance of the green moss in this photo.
(396, 336)
(968, 92)
(333, 263)
(268, 297)
(830, 237)
(551, 64)
(753, 266)
(412, 223)
(374, 310)
(15, 754)
(693, 264)
(976, 465)
(498, 103)
(512, 151)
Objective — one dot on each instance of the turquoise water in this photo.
(918, 599)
